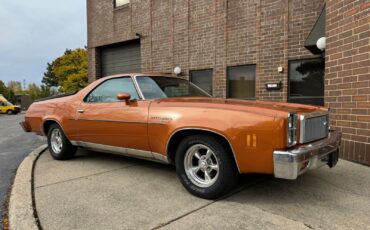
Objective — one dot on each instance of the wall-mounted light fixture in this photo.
(138, 35)
(321, 43)
(177, 70)
(280, 69)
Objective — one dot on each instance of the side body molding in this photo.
(141, 154)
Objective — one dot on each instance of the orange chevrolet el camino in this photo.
(168, 119)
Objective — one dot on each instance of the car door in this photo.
(2, 107)
(110, 124)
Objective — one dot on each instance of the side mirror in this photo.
(124, 97)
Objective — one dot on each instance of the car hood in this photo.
(244, 105)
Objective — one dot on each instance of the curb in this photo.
(21, 206)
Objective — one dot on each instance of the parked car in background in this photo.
(168, 119)
(7, 107)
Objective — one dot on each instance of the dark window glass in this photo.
(241, 81)
(306, 81)
(162, 87)
(108, 90)
(203, 79)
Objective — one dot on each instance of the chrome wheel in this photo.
(201, 165)
(56, 141)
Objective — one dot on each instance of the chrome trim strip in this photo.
(138, 87)
(43, 123)
(137, 122)
(160, 157)
(137, 153)
(142, 95)
(314, 114)
(287, 163)
(202, 129)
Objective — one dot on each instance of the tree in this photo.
(33, 91)
(46, 91)
(15, 86)
(49, 79)
(6, 92)
(3, 89)
(68, 71)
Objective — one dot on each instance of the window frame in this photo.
(121, 6)
(190, 79)
(133, 82)
(149, 75)
(227, 81)
(289, 84)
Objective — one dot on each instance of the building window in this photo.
(241, 82)
(202, 79)
(118, 3)
(306, 81)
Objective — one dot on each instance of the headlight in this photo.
(292, 129)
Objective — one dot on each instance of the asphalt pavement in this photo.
(15, 145)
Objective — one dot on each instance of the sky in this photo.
(33, 33)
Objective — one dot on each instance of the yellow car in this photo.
(9, 108)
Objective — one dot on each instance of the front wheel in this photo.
(60, 147)
(205, 167)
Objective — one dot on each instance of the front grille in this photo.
(314, 126)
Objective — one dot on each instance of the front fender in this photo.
(250, 136)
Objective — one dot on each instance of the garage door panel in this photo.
(120, 59)
(123, 62)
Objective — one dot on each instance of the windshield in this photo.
(163, 87)
(8, 103)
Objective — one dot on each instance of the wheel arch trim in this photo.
(49, 120)
(204, 130)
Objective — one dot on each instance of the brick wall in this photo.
(208, 34)
(204, 34)
(348, 75)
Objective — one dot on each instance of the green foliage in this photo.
(68, 71)
(37, 92)
(15, 86)
(7, 92)
(49, 79)
(33, 91)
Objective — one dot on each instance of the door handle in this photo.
(80, 110)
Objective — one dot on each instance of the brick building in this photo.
(233, 48)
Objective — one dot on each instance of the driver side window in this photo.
(108, 90)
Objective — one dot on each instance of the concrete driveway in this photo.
(100, 191)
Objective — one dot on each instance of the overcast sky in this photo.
(35, 32)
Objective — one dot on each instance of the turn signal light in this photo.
(252, 140)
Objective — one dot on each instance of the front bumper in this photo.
(25, 126)
(290, 164)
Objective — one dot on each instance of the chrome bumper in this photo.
(290, 164)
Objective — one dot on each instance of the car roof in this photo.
(141, 74)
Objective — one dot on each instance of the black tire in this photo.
(228, 174)
(67, 150)
(9, 112)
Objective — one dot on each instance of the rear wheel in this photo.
(9, 112)
(205, 167)
(60, 147)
